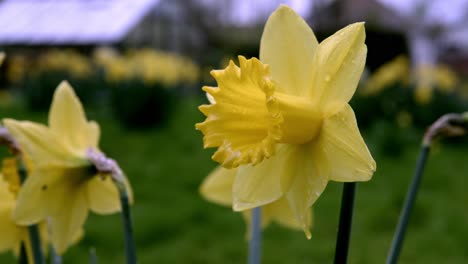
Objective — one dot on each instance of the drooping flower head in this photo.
(284, 121)
(63, 184)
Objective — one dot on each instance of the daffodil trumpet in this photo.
(108, 166)
(449, 125)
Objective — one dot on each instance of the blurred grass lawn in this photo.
(173, 224)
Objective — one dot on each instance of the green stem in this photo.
(54, 258)
(130, 250)
(23, 256)
(33, 230)
(399, 236)
(346, 219)
(92, 256)
(255, 243)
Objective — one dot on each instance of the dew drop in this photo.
(327, 78)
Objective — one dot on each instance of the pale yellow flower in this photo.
(12, 234)
(217, 188)
(62, 186)
(284, 120)
(396, 70)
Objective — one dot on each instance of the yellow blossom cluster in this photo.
(425, 78)
(76, 64)
(394, 71)
(152, 66)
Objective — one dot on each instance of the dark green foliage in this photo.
(138, 105)
(39, 88)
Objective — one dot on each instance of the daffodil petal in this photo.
(288, 46)
(2, 57)
(266, 182)
(32, 199)
(342, 143)
(102, 195)
(68, 120)
(338, 65)
(40, 144)
(217, 187)
(10, 232)
(308, 183)
(240, 123)
(67, 214)
(280, 212)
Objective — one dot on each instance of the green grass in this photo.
(173, 224)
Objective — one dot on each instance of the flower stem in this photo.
(255, 245)
(107, 166)
(23, 256)
(33, 230)
(92, 256)
(130, 250)
(54, 258)
(346, 219)
(407, 207)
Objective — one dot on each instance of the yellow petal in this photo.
(280, 212)
(67, 120)
(266, 182)
(338, 65)
(102, 195)
(2, 57)
(68, 210)
(239, 123)
(308, 182)
(288, 46)
(41, 145)
(32, 201)
(217, 187)
(10, 232)
(348, 156)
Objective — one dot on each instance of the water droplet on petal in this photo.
(327, 78)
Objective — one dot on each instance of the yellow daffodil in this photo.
(397, 70)
(12, 234)
(284, 120)
(2, 57)
(63, 184)
(430, 77)
(217, 188)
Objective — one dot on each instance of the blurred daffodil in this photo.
(14, 235)
(2, 57)
(63, 184)
(431, 77)
(396, 70)
(284, 120)
(217, 188)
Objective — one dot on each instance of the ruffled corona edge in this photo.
(242, 120)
